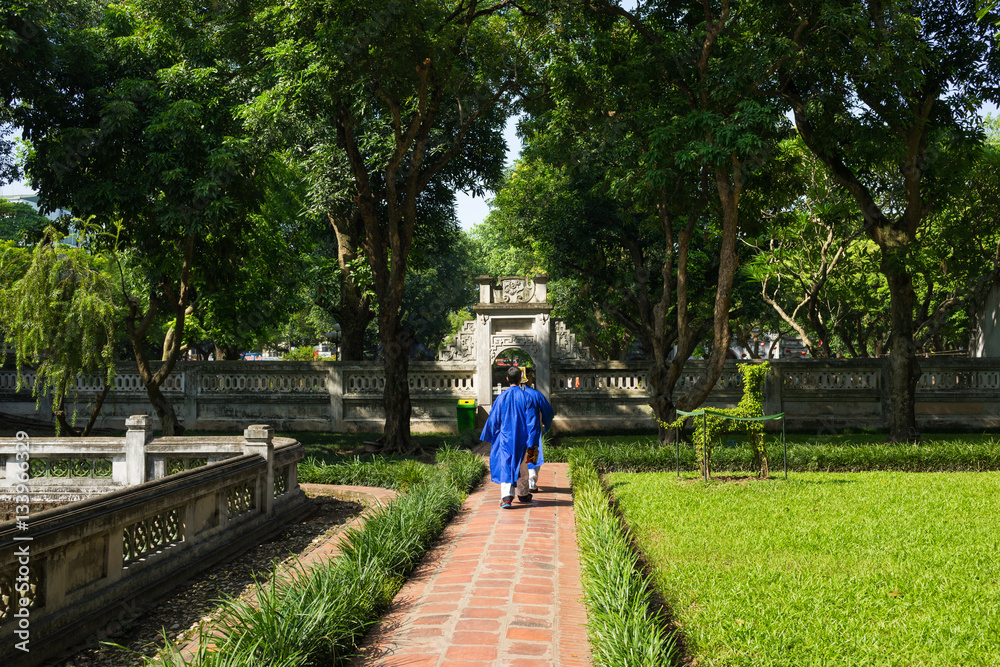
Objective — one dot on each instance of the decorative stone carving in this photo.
(150, 535)
(514, 290)
(565, 345)
(463, 344)
(241, 498)
(500, 342)
(263, 383)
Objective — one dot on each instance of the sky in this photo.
(472, 210)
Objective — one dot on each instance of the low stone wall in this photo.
(71, 569)
(815, 394)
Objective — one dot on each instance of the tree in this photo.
(892, 117)
(21, 223)
(141, 137)
(410, 93)
(504, 247)
(655, 119)
(60, 309)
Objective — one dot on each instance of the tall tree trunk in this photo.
(354, 315)
(137, 328)
(65, 428)
(904, 371)
(96, 410)
(396, 397)
(729, 185)
(661, 399)
(354, 312)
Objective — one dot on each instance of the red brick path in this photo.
(502, 587)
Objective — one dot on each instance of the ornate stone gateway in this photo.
(512, 312)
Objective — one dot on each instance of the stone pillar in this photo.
(541, 288)
(485, 289)
(335, 386)
(543, 364)
(484, 362)
(139, 428)
(191, 375)
(259, 441)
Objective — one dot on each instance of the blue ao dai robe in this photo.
(512, 420)
(543, 406)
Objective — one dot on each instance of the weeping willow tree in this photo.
(59, 313)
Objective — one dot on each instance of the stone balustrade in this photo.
(67, 571)
(588, 395)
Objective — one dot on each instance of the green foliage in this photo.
(707, 429)
(60, 310)
(872, 569)
(459, 466)
(440, 279)
(304, 353)
(625, 627)
(21, 223)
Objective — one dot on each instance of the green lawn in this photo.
(827, 568)
(338, 447)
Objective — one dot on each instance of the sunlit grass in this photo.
(843, 453)
(825, 569)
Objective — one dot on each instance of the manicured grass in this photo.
(339, 447)
(842, 453)
(825, 569)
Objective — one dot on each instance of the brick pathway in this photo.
(491, 592)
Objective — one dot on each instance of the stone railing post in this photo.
(335, 385)
(259, 440)
(773, 386)
(884, 393)
(139, 429)
(192, 388)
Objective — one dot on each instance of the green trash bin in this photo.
(466, 414)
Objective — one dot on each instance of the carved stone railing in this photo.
(425, 379)
(347, 396)
(264, 382)
(609, 378)
(76, 565)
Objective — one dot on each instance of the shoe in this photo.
(507, 502)
(525, 499)
(534, 489)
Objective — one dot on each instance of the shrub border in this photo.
(628, 625)
(379, 555)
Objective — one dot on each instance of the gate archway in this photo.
(513, 312)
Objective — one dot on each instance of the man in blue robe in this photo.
(512, 420)
(544, 423)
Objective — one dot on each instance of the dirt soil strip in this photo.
(138, 631)
(371, 497)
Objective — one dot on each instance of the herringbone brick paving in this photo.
(501, 587)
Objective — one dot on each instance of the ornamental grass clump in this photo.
(317, 616)
(625, 627)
